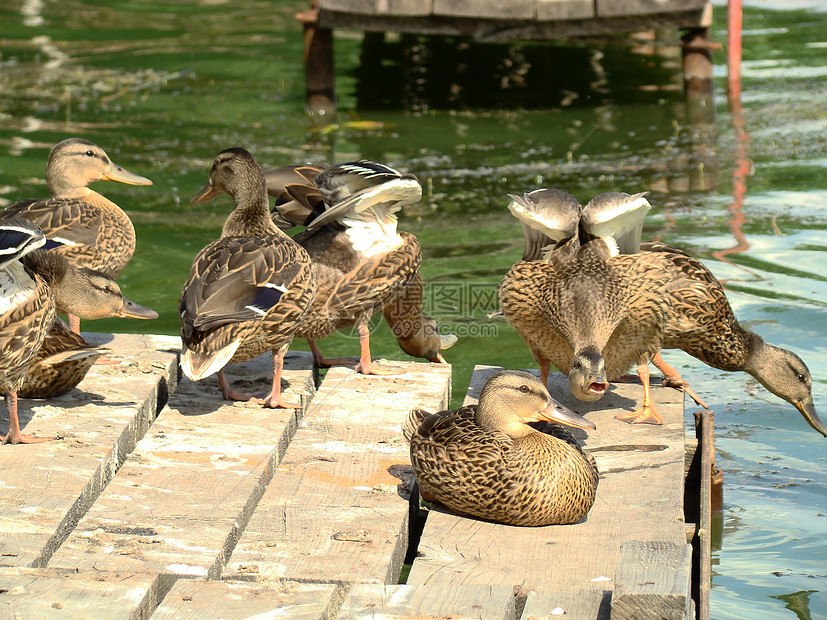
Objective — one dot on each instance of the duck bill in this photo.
(808, 410)
(556, 412)
(207, 193)
(131, 310)
(122, 175)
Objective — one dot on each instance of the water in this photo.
(163, 87)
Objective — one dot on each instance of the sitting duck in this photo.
(485, 461)
(34, 285)
(361, 262)
(249, 291)
(79, 223)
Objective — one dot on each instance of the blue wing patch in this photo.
(267, 298)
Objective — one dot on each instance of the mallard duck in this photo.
(34, 283)
(485, 460)
(65, 357)
(362, 263)
(702, 323)
(247, 292)
(589, 310)
(86, 227)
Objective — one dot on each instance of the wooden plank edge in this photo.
(306, 394)
(652, 581)
(114, 460)
(494, 30)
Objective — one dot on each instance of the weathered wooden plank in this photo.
(182, 498)
(502, 9)
(551, 10)
(196, 599)
(593, 605)
(611, 8)
(639, 497)
(652, 582)
(333, 512)
(504, 30)
(47, 487)
(405, 8)
(428, 602)
(65, 594)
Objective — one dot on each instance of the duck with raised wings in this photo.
(35, 283)
(79, 223)
(247, 292)
(587, 308)
(361, 261)
(486, 461)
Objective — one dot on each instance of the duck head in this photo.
(74, 163)
(786, 375)
(512, 398)
(587, 375)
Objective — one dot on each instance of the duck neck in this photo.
(760, 358)
(490, 418)
(251, 216)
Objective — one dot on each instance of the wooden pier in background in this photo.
(164, 501)
(503, 21)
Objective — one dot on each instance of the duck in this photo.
(486, 461)
(586, 306)
(79, 223)
(703, 324)
(247, 292)
(362, 263)
(65, 357)
(34, 285)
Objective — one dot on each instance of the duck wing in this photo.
(240, 279)
(618, 218)
(72, 225)
(548, 216)
(455, 437)
(18, 237)
(352, 188)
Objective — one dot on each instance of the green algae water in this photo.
(164, 87)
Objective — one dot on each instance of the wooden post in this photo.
(697, 62)
(319, 73)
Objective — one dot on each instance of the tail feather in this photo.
(199, 365)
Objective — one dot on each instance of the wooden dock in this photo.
(163, 501)
(503, 21)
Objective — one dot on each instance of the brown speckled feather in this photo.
(350, 288)
(99, 234)
(61, 363)
(701, 321)
(253, 289)
(618, 304)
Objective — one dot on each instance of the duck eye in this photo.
(89, 153)
(801, 378)
(524, 389)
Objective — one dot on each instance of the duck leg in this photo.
(646, 414)
(74, 323)
(326, 362)
(672, 378)
(274, 400)
(14, 436)
(365, 365)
